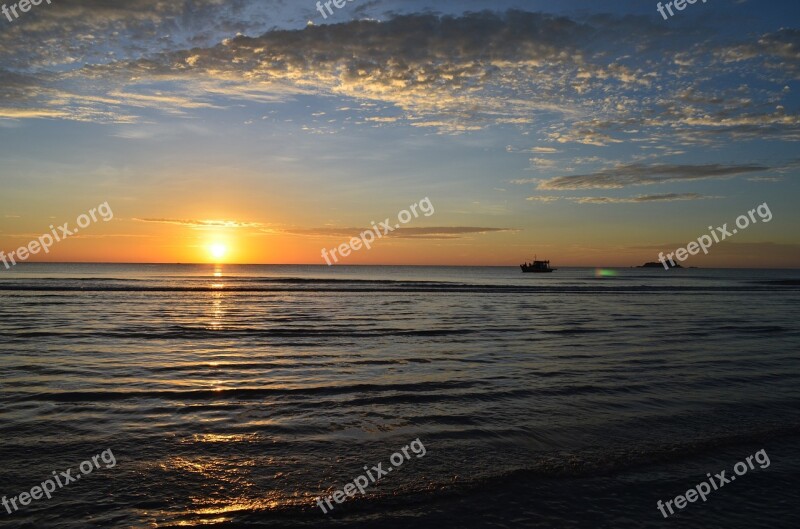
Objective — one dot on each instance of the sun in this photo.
(218, 251)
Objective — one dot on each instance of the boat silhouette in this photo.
(537, 267)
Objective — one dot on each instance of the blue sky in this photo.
(596, 133)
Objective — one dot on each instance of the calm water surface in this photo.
(236, 395)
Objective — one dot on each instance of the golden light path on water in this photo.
(214, 504)
(221, 474)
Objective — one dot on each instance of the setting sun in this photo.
(218, 251)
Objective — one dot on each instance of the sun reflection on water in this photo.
(217, 313)
(225, 487)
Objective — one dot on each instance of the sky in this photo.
(589, 133)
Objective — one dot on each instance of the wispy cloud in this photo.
(667, 197)
(202, 224)
(447, 232)
(436, 232)
(641, 174)
(543, 198)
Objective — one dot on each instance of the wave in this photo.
(216, 394)
(606, 461)
(185, 332)
(366, 394)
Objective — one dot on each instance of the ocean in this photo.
(236, 396)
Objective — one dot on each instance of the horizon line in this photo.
(375, 265)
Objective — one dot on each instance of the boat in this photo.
(537, 267)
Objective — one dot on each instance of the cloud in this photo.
(446, 232)
(764, 179)
(202, 224)
(369, 60)
(24, 113)
(584, 137)
(441, 233)
(667, 197)
(544, 150)
(79, 32)
(595, 80)
(543, 163)
(640, 174)
(780, 48)
(383, 119)
(543, 198)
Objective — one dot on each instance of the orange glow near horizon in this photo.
(130, 241)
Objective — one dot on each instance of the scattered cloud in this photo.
(569, 80)
(543, 198)
(543, 163)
